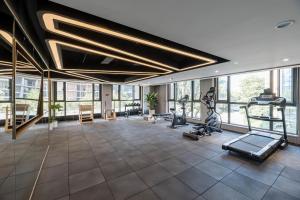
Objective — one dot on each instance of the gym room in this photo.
(149, 100)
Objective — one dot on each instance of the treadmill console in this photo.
(268, 98)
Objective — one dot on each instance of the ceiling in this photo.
(74, 42)
(241, 31)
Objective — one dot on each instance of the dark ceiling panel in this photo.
(81, 41)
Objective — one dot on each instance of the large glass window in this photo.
(196, 90)
(137, 92)
(116, 92)
(4, 89)
(244, 86)
(97, 92)
(60, 91)
(184, 88)
(178, 90)
(125, 94)
(171, 91)
(72, 94)
(286, 84)
(222, 88)
(78, 91)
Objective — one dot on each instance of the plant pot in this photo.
(151, 112)
(55, 124)
(51, 126)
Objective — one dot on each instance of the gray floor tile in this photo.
(267, 177)
(274, 194)
(96, 192)
(116, 169)
(245, 185)
(197, 180)
(228, 161)
(82, 165)
(223, 192)
(126, 186)
(139, 162)
(53, 173)
(159, 155)
(173, 189)
(190, 158)
(288, 186)
(154, 174)
(213, 169)
(146, 195)
(85, 180)
(51, 190)
(291, 173)
(174, 165)
(78, 155)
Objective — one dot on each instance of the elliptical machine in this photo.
(179, 120)
(213, 121)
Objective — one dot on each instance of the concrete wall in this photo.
(106, 98)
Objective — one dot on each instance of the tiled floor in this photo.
(137, 160)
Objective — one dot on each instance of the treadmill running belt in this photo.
(257, 140)
(246, 147)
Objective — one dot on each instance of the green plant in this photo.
(152, 100)
(54, 107)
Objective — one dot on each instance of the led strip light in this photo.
(48, 22)
(9, 39)
(56, 55)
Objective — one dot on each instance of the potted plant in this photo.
(53, 121)
(152, 101)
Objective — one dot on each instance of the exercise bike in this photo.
(179, 120)
(213, 121)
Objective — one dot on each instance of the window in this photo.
(78, 91)
(183, 88)
(60, 91)
(126, 92)
(4, 89)
(178, 90)
(286, 84)
(116, 92)
(137, 92)
(72, 94)
(171, 91)
(222, 88)
(28, 87)
(196, 110)
(222, 109)
(96, 92)
(244, 86)
(196, 90)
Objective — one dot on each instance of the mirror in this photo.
(7, 153)
(28, 84)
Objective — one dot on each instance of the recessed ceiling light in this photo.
(171, 79)
(285, 23)
(216, 71)
(285, 59)
(235, 63)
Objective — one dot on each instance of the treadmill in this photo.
(258, 145)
